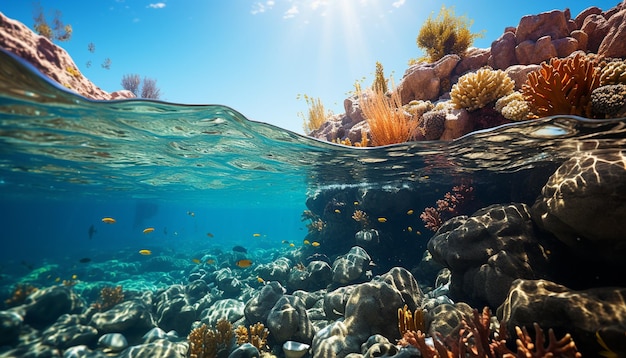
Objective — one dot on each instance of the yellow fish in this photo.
(337, 211)
(292, 244)
(356, 203)
(315, 244)
(410, 212)
(256, 235)
(306, 242)
(148, 230)
(195, 261)
(210, 261)
(260, 280)
(145, 252)
(410, 229)
(74, 277)
(382, 220)
(58, 279)
(244, 263)
(108, 220)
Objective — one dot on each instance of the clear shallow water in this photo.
(66, 162)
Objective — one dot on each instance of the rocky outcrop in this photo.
(50, 59)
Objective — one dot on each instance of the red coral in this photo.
(433, 218)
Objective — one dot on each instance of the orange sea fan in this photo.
(563, 86)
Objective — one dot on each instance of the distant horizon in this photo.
(257, 57)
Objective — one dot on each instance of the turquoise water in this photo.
(67, 162)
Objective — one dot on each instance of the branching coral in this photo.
(361, 217)
(408, 321)
(476, 89)
(475, 341)
(433, 217)
(109, 297)
(513, 106)
(563, 86)
(257, 336)
(388, 122)
(205, 342)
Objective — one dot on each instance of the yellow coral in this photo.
(475, 90)
(613, 73)
(205, 342)
(257, 336)
(513, 107)
(408, 321)
(563, 86)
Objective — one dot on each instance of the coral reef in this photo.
(563, 86)
(257, 336)
(475, 90)
(432, 124)
(513, 107)
(20, 292)
(109, 297)
(609, 101)
(433, 217)
(613, 72)
(205, 342)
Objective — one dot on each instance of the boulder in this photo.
(288, 320)
(257, 309)
(44, 306)
(503, 52)
(351, 266)
(533, 52)
(129, 316)
(613, 44)
(533, 27)
(423, 80)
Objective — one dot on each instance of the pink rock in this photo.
(592, 10)
(122, 94)
(565, 46)
(457, 124)
(474, 59)
(614, 43)
(50, 59)
(353, 110)
(596, 27)
(503, 51)
(582, 39)
(529, 52)
(356, 132)
(532, 27)
(423, 80)
(519, 73)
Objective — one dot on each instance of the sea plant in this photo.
(388, 122)
(20, 292)
(562, 86)
(316, 115)
(446, 34)
(380, 83)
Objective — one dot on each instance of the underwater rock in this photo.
(67, 331)
(245, 350)
(351, 266)
(316, 275)
(227, 282)
(257, 308)
(127, 317)
(174, 311)
(277, 270)
(367, 312)
(82, 351)
(196, 290)
(10, 327)
(44, 306)
(487, 251)
(288, 320)
(447, 318)
(580, 313)
(113, 342)
(584, 205)
(229, 309)
(161, 349)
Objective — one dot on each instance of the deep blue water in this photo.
(67, 162)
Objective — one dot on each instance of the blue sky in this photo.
(257, 56)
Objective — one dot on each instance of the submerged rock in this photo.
(351, 266)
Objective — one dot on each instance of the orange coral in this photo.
(21, 291)
(109, 297)
(408, 321)
(361, 217)
(257, 336)
(562, 87)
(205, 342)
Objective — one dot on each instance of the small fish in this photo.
(145, 252)
(292, 245)
(285, 242)
(418, 232)
(337, 211)
(382, 220)
(74, 277)
(356, 203)
(108, 220)
(244, 263)
(209, 234)
(410, 212)
(210, 261)
(306, 242)
(240, 249)
(91, 231)
(410, 229)
(84, 260)
(58, 279)
(315, 244)
(148, 230)
(196, 261)
(260, 280)
(256, 234)
(191, 213)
